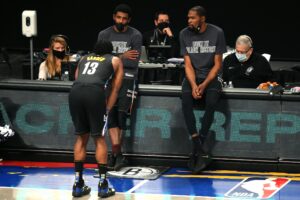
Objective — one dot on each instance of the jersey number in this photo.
(90, 68)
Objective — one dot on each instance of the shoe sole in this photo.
(87, 192)
(106, 195)
(80, 195)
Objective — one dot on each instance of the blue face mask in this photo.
(242, 57)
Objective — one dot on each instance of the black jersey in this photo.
(95, 69)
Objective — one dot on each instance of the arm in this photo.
(43, 71)
(225, 75)
(130, 54)
(76, 73)
(190, 75)
(116, 83)
(135, 51)
(168, 32)
(101, 36)
(212, 74)
(77, 69)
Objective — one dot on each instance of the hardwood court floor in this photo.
(43, 181)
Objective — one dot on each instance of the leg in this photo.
(121, 161)
(126, 98)
(79, 188)
(115, 138)
(114, 134)
(97, 122)
(117, 160)
(80, 147)
(101, 157)
(77, 103)
(187, 109)
(101, 150)
(211, 100)
(212, 97)
(189, 117)
(196, 162)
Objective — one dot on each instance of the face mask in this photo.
(162, 25)
(59, 54)
(242, 57)
(120, 27)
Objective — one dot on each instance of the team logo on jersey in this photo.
(249, 70)
(120, 47)
(257, 188)
(135, 172)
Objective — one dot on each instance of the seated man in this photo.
(162, 36)
(246, 68)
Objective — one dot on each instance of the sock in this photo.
(78, 171)
(197, 146)
(102, 172)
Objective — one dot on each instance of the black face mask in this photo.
(162, 25)
(59, 54)
(120, 27)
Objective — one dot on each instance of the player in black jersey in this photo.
(89, 110)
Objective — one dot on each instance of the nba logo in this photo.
(257, 188)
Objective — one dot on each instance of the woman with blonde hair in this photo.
(51, 67)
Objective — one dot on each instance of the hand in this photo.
(195, 93)
(105, 118)
(200, 89)
(168, 32)
(131, 54)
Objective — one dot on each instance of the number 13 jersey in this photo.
(95, 69)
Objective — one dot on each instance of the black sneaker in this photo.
(201, 162)
(104, 191)
(121, 161)
(111, 161)
(80, 190)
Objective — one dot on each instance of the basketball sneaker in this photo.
(80, 189)
(104, 191)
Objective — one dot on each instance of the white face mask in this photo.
(242, 57)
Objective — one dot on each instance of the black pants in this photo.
(210, 99)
